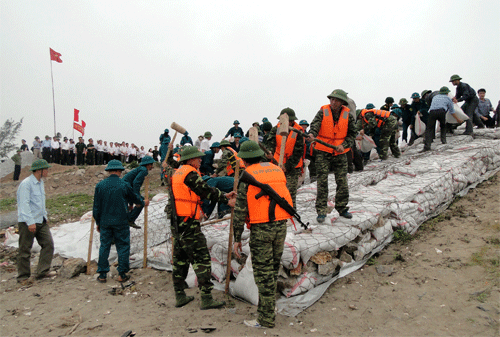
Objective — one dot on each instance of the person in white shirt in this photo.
(142, 153)
(99, 157)
(72, 152)
(65, 152)
(118, 151)
(56, 150)
(105, 152)
(123, 152)
(132, 153)
(205, 143)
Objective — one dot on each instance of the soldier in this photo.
(417, 107)
(135, 179)
(228, 159)
(293, 161)
(91, 151)
(190, 245)
(372, 119)
(335, 125)
(235, 129)
(111, 197)
(267, 229)
(465, 94)
(80, 151)
(17, 159)
(208, 159)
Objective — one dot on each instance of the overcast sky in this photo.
(133, 68)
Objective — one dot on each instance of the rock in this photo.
(296, 271)
(282, 272)
(328, 268)
(73, 267)
(80, 172)
(321, 257)
(310, 267)
(345, 257)
(57, 262)
(385, 270)
(351, 247)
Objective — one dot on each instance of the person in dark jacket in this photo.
(111, 198)
(468, 95)
(406, 116)
(235, 129)
(418, 107)
(207, 161)
(186, 139)
(389, 101)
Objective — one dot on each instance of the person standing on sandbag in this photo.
(466, 93)
(440, 105)
(111, 199)
(190, 245)
(267, 228)
(420, 108)
(335, 125)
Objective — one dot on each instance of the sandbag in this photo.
(458, 111)
(367, 144)
(419, 126)
(244, 286)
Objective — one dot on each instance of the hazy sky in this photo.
(133, 68)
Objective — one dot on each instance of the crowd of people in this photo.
(266, 156)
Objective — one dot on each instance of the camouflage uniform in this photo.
(292, 173)
(190, 245)
(266, 246)
(221, 168)
(388, 133)
(339, 165)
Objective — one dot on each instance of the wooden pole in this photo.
(230, 241)
(91, 239)
(145, 257)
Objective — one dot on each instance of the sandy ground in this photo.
(445, 281)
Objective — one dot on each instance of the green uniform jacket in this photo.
(351, 128)
(17, 159)
(298, 150)
(135, 179)
(111, 199)
(80, 147)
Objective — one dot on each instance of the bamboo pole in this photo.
(145, 257)
(230, 241)
(91, 239)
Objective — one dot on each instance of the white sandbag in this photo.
(458, 112)
(419, 126)
(303, 283)
(160, 197)
(86, 217)
(218, 271)
(367, 144)
(244, 286)
(291, 254)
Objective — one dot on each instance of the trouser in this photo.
(134, 213)
(46, 154)
(80, 157)
(120, 235)
(388, 133)
(405, 131)
(339, 163)
(105, 158)
(65, 157)
(26, 238)
(469, 108)
(190, 247)
(430, 131)
(123, 158)
(90, 157)
(56, 156)
(292, 183)
(489, 122)
(17, 172)
(266, 246)
(37, 153)
(99, 158)
(71, 158)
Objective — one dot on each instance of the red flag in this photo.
(76, 115)
(83, 124)
(78, 128)
(55, 56)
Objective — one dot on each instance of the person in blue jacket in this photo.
(235, 129)
(111, 198)
(207, 160)
(135, 179)
(225, 184)
(186, 139)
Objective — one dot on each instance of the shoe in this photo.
(123, 278)
(410, 143)
(320, 218)
(182, 300)
(346, 215)
(253, 324)
(133, 225)
(424, 150)
(467, 133)
(46, 275)
(102, 279)
(26, 282)
(207, 302)
(443, 141)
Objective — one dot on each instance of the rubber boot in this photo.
(181, 300)
(207, 302)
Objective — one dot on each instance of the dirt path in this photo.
(444, 281)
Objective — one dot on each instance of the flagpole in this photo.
(53, 97)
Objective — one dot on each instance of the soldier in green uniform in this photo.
(335, 125)
(17, 164)
(370, 120)
(80, 152)
(190, 245)
(267, 228)
(90, 156)
(226, 154)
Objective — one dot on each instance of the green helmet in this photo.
(236, 122)
(389, 100)
(225, 142)
(290, 113)
(455, 77)
(207, 134)
(237, 135)
(243, 139)
(146, 160)
(415, 95)
(215, 144)
(340, 94)
(425, 92)
(39, 164)
(114, 165)
(303, 122)
(250, 149)
(403, 101)
(370, 106)
(444, 91)
(190, 152)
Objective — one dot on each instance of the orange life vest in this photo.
(291, 140)
(187, 203)
(380, 115)
(231, 163)
(262, 209)
(331, 132)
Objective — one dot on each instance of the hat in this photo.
(225, 143)
(243, 139)
(403, 101)
(258, 124)
(186, 133)
(47, 136)
(65, 138)
(340, 94)
(370, 106)
(237, 134)
(455, 77)
(236, 122)
(415, 95)
(267, 126)
(303, 122)
(146, 160)
(250, 150)
(207, 134)
(39, 164)
(265, 120)
(394, 106)
(444, 91)
(215, 144)
(290, 113)
(114, 165)
(389, 100)
(37, 137)
(425, 92)
(190, 152)
(19, 150)
(166, 131)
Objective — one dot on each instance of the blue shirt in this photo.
(31, 201)
(442, 102)
(484, 108)
(46, 143)
(37, 145)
